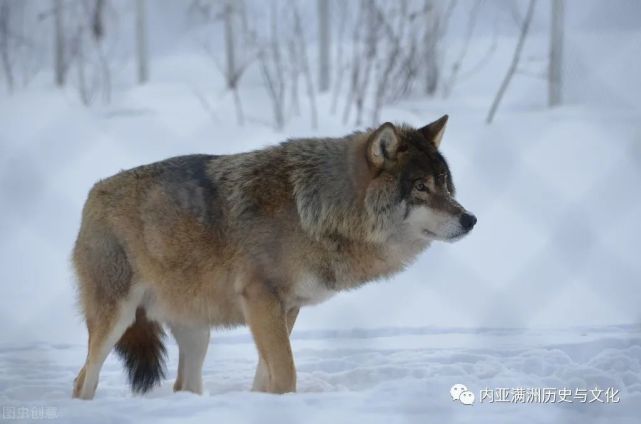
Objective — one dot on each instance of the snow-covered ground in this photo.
(544, 293)
(393, 375)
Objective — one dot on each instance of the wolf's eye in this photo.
(420, 186)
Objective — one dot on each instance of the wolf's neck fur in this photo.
(330, 184)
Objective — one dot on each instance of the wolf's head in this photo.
(406, 161)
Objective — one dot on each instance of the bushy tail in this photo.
(143, 352)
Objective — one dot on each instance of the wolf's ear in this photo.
(383, 145)
(434, 132)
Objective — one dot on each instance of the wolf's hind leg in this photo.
(267, 319)
(103, 335)
(106, 295)
(192, 348)
(261, 379)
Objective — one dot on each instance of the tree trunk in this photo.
(98, 24)
(141, 42)
(5, 19)
(230, 49)
(232, 71)
(59, 44)
(338, 58)
(324, 45)
(431, 45)
(556, 53)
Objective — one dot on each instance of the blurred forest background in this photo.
(362, 54)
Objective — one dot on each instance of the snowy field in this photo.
(394, 375)
(544, 293)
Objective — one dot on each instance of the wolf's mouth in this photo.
(449, 238)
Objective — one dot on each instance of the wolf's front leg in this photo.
(261, 379)
(267, 319)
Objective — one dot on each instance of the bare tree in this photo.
(394, 37)
(436, 21)
(355, 64)
(294, 75)
(82, 46)
(398, 59)
(340, 66)
(363, 59)
(431, 44)
(299, 36)
(386, 59)
(97, 26)
(525, 26)
(456, 66)
(486, 56)
(233, 69)
(59, 44)
(77, 44)
(5, 33)
(241, 46)
(230, 44)
(271, 66)
(556, 53)
(98, 23)
(324, 45)
(142, 52)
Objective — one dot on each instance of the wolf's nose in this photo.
(467, 221)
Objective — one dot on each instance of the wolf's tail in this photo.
(143, 352)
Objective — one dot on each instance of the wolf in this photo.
(201, 241)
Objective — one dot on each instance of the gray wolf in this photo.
(200, 241)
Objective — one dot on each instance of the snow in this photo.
(378, 375)
(543, 293)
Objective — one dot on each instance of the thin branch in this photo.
(515, 61)
(456, 66)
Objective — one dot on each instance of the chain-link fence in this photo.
(544, 291)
